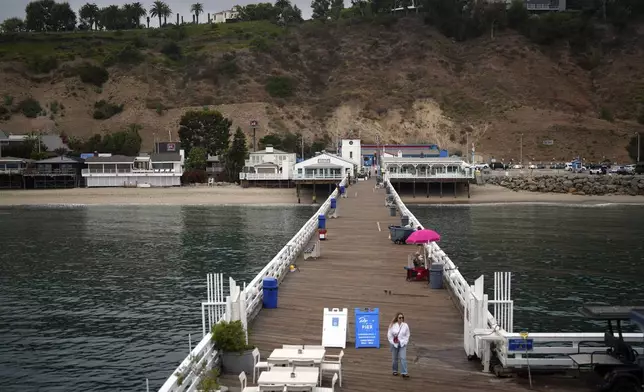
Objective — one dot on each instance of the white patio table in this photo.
(308, 377)
(284, 354)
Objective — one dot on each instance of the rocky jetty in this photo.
(575, 184)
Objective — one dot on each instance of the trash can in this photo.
(270, 292)
(333, 203)
(436, 275)
(321, 221)
(404, 220)
(392, 211)
(388, 189)
(342, 189)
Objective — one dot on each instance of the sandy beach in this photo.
(231, 194)
(150, 196)
(490, 194)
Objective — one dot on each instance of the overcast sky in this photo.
(11, 8)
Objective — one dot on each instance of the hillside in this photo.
(396, 79)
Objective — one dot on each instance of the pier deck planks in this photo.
(358, 267)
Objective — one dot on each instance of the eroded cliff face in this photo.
(402, 84)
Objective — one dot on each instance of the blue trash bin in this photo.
(436, 275)
(342, 189)
(321, 221)
(333, 202)
(270, 292)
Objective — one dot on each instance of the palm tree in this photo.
(197, 9)
(135, 12)
(167, 11)
(157, 10)
(89, 14)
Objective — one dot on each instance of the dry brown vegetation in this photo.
(402, 82)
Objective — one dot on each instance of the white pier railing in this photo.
(219, 307)
(482, 327)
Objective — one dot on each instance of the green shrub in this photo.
(5, 114)
(8, 100)
(104, 110)
(172, 51)
(605, 114)
(42, 64)
(280, 86)
(259, 44)
(128, 55)
(92, 74)
(29, 107)
(229, 336)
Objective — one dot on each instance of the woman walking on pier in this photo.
(398, 336)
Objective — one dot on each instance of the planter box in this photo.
(235, 363)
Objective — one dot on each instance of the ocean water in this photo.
(101, 298)
(561, 256)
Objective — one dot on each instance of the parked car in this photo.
(639, 168)
(497, 166)
(517, 166)
(597, 169)
(541, 166)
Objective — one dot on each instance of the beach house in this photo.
(154, 170)
(269, 164)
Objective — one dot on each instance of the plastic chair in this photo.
(332, 389)
(259, 366)
(332, 366)
(243, 381)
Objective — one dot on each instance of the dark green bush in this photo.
(194, 176)
(172, 51)
(42, 64)
(104, 110)
(92, 74)
(29, 107)
(128, 55)
(280, 86)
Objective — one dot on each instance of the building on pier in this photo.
(268, 168)
(371, 152)
(429, 170)
(323, 169)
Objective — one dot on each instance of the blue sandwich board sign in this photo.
(522, 345)
(367, 328)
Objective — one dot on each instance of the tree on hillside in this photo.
(197, 9)
(259, 11)
(320, 9)
(39, 15)
(158, 10)
(63, 18)
(205, 128)
(13, 25)
(336, 9)
(133, 13)
(236, 155)
(89, 14)
(287, 13)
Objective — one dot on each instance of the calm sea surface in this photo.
(101, 298)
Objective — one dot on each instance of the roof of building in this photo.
(14, 159)
(60, 159)
(323, 166)
(322, 155)
(111, 159)
(275, 151)
(166, 157)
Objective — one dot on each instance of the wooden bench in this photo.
(312, 250)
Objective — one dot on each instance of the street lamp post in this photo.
(521, 151)
(638, 147)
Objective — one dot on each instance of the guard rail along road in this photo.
(481, 327)
(248, 301)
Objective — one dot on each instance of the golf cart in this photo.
(619, 368)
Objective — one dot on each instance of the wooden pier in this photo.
(360, 267)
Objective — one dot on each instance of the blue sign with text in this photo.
(367, 328)
(520, 344)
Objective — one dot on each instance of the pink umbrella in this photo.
(423, 236)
